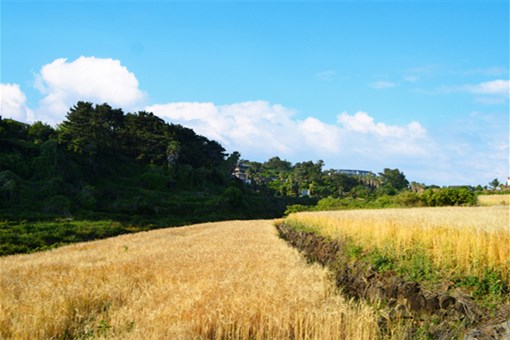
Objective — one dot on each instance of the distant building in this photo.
(354, 172)
(508, 182)
(240, 172)
(306, 193)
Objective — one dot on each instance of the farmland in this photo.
(447, 268)
(238, 279)
(490, 200)
(468, 240)
(216, 280)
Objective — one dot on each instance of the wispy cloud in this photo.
(325, 75)
(382, 84)
(495, 71)
(488, 92)
(411, 79)
(495, 87)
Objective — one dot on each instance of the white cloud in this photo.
(324, 138)
(489, 92)
(495, 87)
(382, 84)
(258, 127)
(89, 79)
(261, 130)
(363, 123)
(13, 103)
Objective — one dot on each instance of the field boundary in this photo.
(440, 313)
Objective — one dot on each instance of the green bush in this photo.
(448, 197)
(408, 199)
(294, 208)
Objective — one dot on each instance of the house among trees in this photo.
(306, 193)
(240, 172)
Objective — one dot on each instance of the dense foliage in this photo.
(101, 164)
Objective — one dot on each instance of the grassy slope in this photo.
(230, 279)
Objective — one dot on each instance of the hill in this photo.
(102, 173)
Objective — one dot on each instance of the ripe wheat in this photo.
(489, 200)
(457, 239)
(218, 280)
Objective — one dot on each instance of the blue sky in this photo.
(417, 85)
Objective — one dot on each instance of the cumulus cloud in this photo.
(13, 103)
(258, 126)
(324, 138)
(383, 143)
(362, 122)
(261, 130)
(382, 84)
(87, 78)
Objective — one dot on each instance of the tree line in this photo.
(100, 159)
(309, 178)
(124, 172)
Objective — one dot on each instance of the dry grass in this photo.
(457, 239)
(490, 200)
(219, 280)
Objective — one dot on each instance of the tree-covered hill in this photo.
(124, 172)
(134, 168)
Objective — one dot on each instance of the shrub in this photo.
(294, 208)
(448, 197)
(408, 199)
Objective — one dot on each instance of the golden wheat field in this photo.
(217, 280)
(458, 239)
(489, 200)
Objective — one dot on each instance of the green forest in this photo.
(103, 172)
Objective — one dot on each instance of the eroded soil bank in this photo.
(442, 312)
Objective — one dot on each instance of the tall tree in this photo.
(394, 178)
(146, 138)
(88, 129)
(494, 183)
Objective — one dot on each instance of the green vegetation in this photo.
(103, 165)
(24, 236)
(432, 197)
(101, 172)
